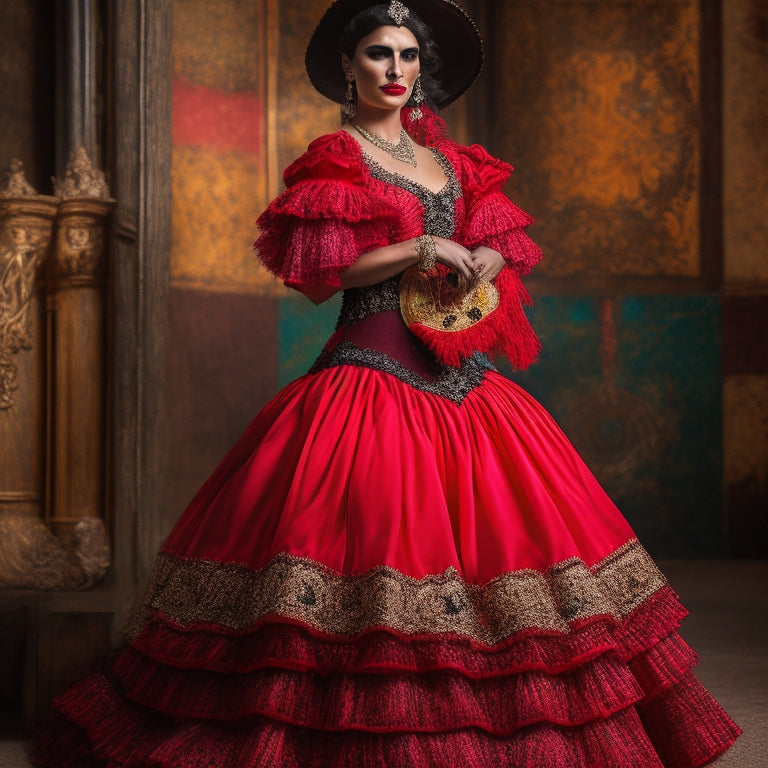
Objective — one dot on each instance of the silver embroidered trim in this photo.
(359, 303)
(439, 220)
(451, 383)
(439, 207)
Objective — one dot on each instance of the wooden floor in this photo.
(728, 626)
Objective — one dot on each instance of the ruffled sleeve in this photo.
(323, 221)
(492, 219)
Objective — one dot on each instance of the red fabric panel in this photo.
(307, 479)
(216, 119)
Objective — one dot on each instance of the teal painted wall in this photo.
(645, 414)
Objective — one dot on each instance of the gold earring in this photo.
(349, 109)
(418, 99)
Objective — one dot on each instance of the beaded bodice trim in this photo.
(439, 220)
(359, 303)
(438, 206)
(452, 383)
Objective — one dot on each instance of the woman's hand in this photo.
(389, 260)
(455, 256)
(486, 263)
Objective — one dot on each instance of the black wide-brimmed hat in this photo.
(455, 33)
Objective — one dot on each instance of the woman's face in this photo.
(385, 67)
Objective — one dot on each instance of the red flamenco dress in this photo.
(400, 563)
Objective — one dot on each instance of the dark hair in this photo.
(378, 16)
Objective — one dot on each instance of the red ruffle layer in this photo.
(125, 734)
(604, 696)
(330, 690)
(385, 703)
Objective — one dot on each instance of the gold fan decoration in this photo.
(438, 301)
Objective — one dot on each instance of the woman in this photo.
(402, 562)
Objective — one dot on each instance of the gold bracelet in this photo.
(427, 252)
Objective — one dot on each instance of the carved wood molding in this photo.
(56, 246)
(31, 557)
(26, 225)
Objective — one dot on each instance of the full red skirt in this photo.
(378, 576)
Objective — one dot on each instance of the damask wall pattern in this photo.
(641, 403)
(745, 117)
(598, 105)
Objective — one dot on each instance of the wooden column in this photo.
(62, 615)
(142, 172)
(77, 297)
(76, 67)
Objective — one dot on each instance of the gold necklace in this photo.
(402, 151)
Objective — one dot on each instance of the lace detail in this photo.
(207, 592)
(439, 216)
(452, 383)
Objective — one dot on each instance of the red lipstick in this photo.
(394, 89)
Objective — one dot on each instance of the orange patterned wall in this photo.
(745, 117)
(598, 104)
(303, 114)
(220, 149)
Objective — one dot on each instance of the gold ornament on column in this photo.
(26, 222)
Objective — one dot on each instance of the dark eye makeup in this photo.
(383, 52)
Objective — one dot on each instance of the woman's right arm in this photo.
(390, 260)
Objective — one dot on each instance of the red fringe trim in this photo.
(520, 252)
(405, 700)
(123, 735)
(495, 214)
(334, 245)
(688, 727)
(60, 742)
(505, 330)
(660, 667)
